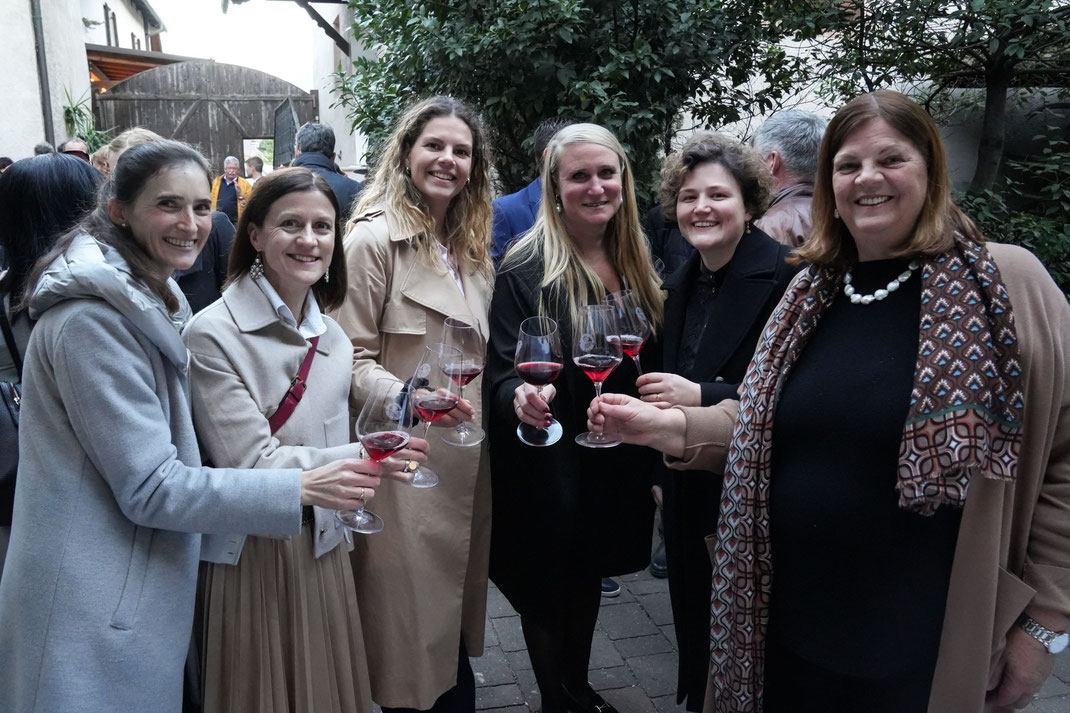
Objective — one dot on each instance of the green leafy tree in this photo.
(635, 67)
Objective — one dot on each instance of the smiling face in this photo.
(880, 182)
(589, 187)
(171, 217)
(297, 242)
(440, 161)
(711, 213)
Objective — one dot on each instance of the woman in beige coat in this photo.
(280, 626)
(417, 252)
(897, 486)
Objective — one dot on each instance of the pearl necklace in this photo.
(877, 296)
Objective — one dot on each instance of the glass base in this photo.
(597, 440)
(362, 521)
(539, 437)
(464, 438)
(424, 478)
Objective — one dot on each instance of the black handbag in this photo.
(10, 402)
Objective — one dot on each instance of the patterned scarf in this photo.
(965, 419)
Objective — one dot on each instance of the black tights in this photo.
(558, 638)
(459, 699)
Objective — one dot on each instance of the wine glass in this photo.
(538, 362)
(432, 394)
(463, 336)
(596, 350)
(381, 430)
(635, 329)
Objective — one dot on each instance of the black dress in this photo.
(564, 509)
(743, 294)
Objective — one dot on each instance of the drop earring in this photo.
(836, 213)
(327, 276)
(557, 204)
(256, 270)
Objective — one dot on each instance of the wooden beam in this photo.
(341, 42)
(209, 97)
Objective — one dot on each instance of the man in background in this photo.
(230, 191)
(254, 169)
(75, 147)
(314, 149)
(789, 142)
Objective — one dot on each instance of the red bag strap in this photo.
(295, 392)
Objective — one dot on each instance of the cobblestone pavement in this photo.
(633, 659)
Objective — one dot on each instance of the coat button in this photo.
(323, 531)
(719, 380)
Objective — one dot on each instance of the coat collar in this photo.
(251, 311)
(748, 282)
(314, 158)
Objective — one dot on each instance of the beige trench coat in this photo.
(1013, 548)
(422, 581)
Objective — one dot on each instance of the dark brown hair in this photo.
(830, 243)
(743, 162)
(269, 189)
(131, 173)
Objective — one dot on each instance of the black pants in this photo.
(459, 699)
(794, 685)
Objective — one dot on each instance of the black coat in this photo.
(754, 282)
(345, 189)
(563, 509)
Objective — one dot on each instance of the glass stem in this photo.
(597, 437)
(461, 427)
(638, 366)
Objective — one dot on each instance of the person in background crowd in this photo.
(96, 602)
(99, 159)
(298, 593)
(566, 516)
(715, 189)
(789, 142)
(230, 191)
(417, 252)
(894, 533)
(43, 148)
(314, 149)
(40, 199)
(5, 162)
(75, 147)
(254, 169)
(514, 214)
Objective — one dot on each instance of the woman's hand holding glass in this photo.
(432, 396)
(596, 351)
(632, 421)
(538, 362)
(341, 485)
(667, 390)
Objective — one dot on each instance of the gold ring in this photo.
(411, 466)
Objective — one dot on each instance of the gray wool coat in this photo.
(96, 600)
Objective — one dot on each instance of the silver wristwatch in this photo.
(1054, 641)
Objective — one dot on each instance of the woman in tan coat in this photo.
(417, 252)
(894, 534)
(280, 626)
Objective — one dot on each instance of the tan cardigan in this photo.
(1013, 548)
(422, 581)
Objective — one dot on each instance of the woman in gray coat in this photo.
(96, 601)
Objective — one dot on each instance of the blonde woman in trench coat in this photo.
(417, 252)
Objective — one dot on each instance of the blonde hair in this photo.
(391, 189)
(571, 282)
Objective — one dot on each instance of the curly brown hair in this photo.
(743, 162)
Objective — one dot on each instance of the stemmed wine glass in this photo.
(463, 336)
(381, 430)
(538, 362)
(432, 394)
(634, 327)
(596, 350)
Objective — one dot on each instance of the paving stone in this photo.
(625, 621)
(643, 645)
(529, 689)
(643, 574)
(1049, 705)
(497, 604)
(657, 607)
(649, 586)
(518, 660)
(656, 673)
(629, 700)
(490, 636)
(604, 679)
(492, 668)
(509, 709)
(669, 632)
(603, 653)
(1062, 667)
(498, 697)
(1054, 687)
(510, 636)
(668, 704)
(624, 596)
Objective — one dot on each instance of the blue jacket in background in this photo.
(345, 189)
(514, 215)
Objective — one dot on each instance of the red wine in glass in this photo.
(631, 344)
(462, 334)
(432, 408)
(463, 373)
(596, 350)
(539, 373)
(631, 319)
(597, 366)
(383, 444)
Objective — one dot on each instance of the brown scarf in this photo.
(965, 419)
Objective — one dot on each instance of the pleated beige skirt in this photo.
(281, 631)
